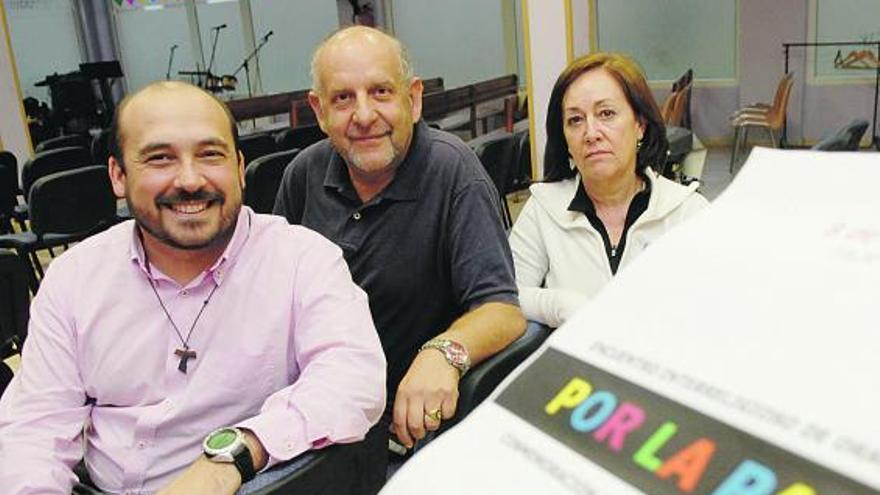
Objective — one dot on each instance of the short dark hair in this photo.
(627, 73)
(114, 140)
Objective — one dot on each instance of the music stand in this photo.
(103, 72)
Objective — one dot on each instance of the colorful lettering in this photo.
(625, 419)
(646, 456)
(688, 464)
(798, 489)
(584, 419)
(749, 478)
(572, 394)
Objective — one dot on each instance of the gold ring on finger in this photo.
(435, 415)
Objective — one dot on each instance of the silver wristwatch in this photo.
(455, 353)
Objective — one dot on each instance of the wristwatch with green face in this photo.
(228, 445)
(455, 353)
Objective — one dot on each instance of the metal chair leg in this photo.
(38, 267)
(505, 213)
(733, 147)
(33, 280)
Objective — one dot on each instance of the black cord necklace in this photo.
(184, 352)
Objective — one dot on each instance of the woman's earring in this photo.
(571, 164)
(638, 145)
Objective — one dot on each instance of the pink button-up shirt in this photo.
(286, 347)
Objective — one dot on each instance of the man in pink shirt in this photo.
(196, 345)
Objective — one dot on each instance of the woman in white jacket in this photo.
(601, 203)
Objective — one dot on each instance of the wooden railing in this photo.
(294, 103)
(452, 108)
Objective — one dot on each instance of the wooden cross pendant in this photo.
(185, 355)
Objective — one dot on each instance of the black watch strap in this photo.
(245, 464)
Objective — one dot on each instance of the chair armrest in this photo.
(479, 382)
(341, 468)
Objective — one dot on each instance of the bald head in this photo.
(353, 38)
(157, 90)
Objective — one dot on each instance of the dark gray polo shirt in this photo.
(426, 249)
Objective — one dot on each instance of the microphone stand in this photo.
(216, 30)
(170, 59)
(244, 65)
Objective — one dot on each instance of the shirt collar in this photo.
(407, 181)
(220, 267)
(582, 203)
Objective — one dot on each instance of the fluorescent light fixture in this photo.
(155, 6)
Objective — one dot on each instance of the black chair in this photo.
(49, 162)
(479, 382)
(685, 83)
(262, 178)
(497, 156)
(9, 192)
(66, 141)
(14, 310)
(254, 146)
(100, 147)
(298, 137)
(10, 172)
(522, 174)
(65, 207)
(14, 303)
(346, 469)
(846, 139)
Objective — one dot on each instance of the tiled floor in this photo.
(716, 174)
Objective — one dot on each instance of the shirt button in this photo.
(184, 292)
(357, 215)
(141, 445)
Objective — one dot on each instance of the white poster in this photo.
(740, 355)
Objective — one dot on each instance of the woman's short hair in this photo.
(632, 81)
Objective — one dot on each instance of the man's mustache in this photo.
(184, 196)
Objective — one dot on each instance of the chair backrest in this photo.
(262, 178)
(52, 161)
(845, 139)
(63, 142)
(521, 177)
(666, 107)
(497, 157)
(786, 80)
(8, 189)
(14, 302)
(256, 145)
(776, 114)
(100, 147)
(77, 201)
(298, 137)
(8, 198)
(7, 159)
(855, 130)
(676, 113)
(686, 80)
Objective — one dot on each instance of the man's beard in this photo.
(224, 231)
